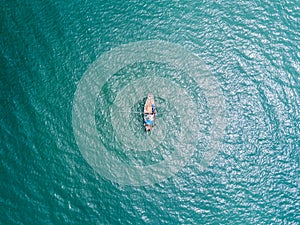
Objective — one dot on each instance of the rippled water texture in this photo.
(225, 148)
(183, 129)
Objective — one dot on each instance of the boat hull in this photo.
(149, 113)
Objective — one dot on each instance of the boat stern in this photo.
(148, 127)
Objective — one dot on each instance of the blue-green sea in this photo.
(225, 148)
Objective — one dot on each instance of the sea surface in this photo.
(75, 76)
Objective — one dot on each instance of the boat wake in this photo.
(112, 138)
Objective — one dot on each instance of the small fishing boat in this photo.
(149, 112)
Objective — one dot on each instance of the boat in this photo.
(149, 113)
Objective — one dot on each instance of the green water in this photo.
(237, 157)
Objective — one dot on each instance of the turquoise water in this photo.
(237, 157)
